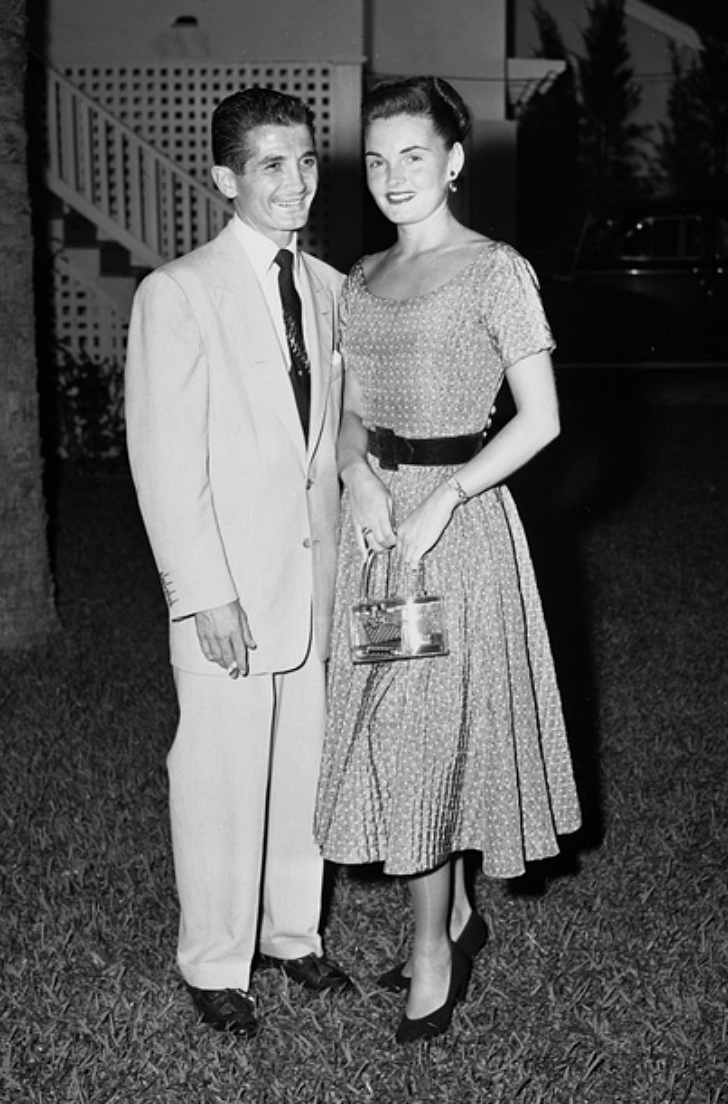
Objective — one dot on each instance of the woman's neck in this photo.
(440, 229)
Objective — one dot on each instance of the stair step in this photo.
(114, 259)
(78, 230)
(120, 290)
(84, 259)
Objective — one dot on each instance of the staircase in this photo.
(126, 160)
(124, 208)
(120, 183)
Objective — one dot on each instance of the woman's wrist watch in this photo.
(457, 487)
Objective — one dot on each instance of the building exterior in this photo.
(130, 89)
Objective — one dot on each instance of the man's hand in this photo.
(225, 637)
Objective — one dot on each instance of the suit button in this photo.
(307, 542)
(309, 484)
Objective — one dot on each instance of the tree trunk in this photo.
(27, 612)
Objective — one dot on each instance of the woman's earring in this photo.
(453, 185)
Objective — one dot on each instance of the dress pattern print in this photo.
(426, 757)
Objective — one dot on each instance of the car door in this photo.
(666, 268)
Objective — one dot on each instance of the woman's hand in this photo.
(535, 423)
(422, 529)
(371, 510)
(371, 503)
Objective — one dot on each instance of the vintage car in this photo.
(648, 285)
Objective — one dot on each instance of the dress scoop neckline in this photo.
(425, 294)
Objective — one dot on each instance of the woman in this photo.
(427, 758)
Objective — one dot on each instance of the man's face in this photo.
(274, 192)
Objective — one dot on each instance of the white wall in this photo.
(462, 40)
(82, 31)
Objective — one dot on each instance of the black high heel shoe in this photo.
(394, 981)
(437, 1022)
(472, 939)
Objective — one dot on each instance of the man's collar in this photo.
(261, 251)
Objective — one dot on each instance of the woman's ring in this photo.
(233, 670)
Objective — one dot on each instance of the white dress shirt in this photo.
(261, 252)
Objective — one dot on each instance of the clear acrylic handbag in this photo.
(385, 628)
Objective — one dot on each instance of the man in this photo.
(233, 396)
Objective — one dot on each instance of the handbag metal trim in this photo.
(385, 628)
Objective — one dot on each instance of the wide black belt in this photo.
(426, 452)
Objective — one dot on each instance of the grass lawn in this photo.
(606, 975)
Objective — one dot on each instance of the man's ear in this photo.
(225, 180)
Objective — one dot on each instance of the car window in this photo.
(638, 243)
(599, 236)
(693, 238)
(664, 238)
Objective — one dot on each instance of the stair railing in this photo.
(133, 193)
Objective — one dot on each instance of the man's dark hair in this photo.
(238, 114)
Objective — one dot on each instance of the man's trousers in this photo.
(243, 772)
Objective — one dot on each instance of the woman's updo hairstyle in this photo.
(430, 97)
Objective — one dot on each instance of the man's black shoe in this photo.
(229, 1010)
(317, 974)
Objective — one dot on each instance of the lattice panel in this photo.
(170, 106)
(86, 323)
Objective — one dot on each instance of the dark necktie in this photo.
(300, 367)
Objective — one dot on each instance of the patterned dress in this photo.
(427, 757)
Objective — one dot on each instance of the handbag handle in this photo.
(366, 570)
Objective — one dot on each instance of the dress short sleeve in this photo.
(349, 290)
(514, 311)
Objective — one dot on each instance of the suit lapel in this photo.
(244, 313)
(320, 343)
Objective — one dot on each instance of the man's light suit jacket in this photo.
(235, 505)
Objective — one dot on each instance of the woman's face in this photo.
(409, 167)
